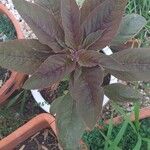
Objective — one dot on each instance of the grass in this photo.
(7, 30)
(126, 136)
(17, 111)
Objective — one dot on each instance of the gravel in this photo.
(24, 27)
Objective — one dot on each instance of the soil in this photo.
(43, 140)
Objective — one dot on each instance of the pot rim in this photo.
(46, 120)
(33, 126)
(16, 79)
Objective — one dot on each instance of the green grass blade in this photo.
(109, 141)
(13, 100)
(119, 135)
(139, 143)
(110, 128)
(124, 115)
(137, 114)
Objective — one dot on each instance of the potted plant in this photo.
(15, 80)
(43, 121)
(68, 45)
(129, 28)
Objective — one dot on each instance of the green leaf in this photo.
(93, 58)
(119, 135)
(120, 92)
(42, 22)
(109, 132)
(138, 144)
(71, 22)
(107, 17)
(70, 127)
(130, 26)
(86, 90)
(23, 55)
(54, 69)
(137, 62)
(54, 109)
(137, 115)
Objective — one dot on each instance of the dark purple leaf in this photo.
(70, 126)
(51, 5)
(71, 22)
(23, 55)
(86, 90)
(43, 24)
(107, 17)
(137, 62)
(87, 7)
(93, 58)
(120, 92)
(54, 69)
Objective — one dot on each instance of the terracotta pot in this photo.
(16, 80)
(144, 113)
(38, 123)
(48, 121)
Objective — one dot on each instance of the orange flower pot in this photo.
(48, 121)
(36, 124)
(16, 80)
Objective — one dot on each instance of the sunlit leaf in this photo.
(71, 22)
(106, 16)
(120, 92)
(23, 55)
(88, 94)
(54, 69)
(130, 26)
(70, 127)
(42, 22)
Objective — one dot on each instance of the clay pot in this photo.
(144, 113)
(16, 80)
(35, 125)
(45, 120)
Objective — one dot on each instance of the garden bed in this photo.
(95, 140)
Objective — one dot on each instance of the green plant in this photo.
(69, 41)
(7, 30)
(125, 136)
